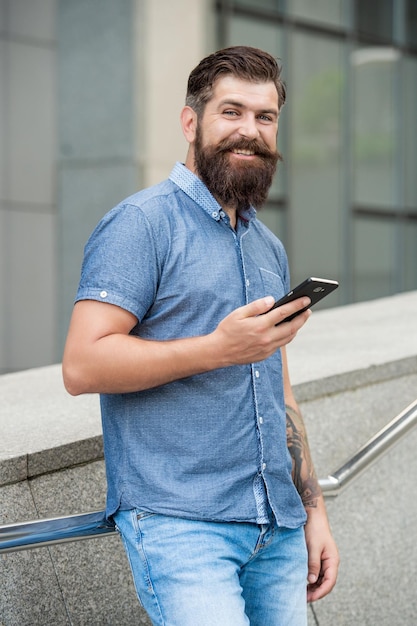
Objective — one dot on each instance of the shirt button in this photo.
(214, 214)
(247, 283)
(261, 420)
(103, 294)
(257, 374)
(264, 466)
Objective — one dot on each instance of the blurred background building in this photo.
(90, 95)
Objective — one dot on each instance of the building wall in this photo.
(122, 76)
(96, 155)
(345, 202)
(28, 199)
(90, 95)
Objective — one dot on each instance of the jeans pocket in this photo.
(141, 515)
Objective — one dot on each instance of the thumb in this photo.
(314, 567)
(257, 307)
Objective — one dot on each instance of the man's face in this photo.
(235, 149)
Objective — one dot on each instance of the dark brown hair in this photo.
(243, 62)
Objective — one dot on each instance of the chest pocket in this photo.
(272, 283)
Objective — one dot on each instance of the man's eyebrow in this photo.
(240, 105)
(233, 103)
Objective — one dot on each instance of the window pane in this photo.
(374, 241)
(315, 97)
(331, 12)
(268, 37)
(375, 19)
(262, 34)
(374, 125)
(411, 22)
(410, 259)
(410, 125)
(261, 4)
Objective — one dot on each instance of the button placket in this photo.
(259, 418)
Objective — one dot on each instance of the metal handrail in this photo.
(46, 532)
(380, 443)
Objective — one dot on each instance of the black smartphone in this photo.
(314, 288)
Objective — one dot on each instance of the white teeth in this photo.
(244, 152)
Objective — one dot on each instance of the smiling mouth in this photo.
(243, 152)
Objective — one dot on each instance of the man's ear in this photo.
(189, 123)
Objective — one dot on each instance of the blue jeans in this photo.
(192, 573)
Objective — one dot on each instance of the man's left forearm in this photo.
(304, 475)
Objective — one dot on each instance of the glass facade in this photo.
(328, 12)
(374, 73)
(345, 199)
(375, 18)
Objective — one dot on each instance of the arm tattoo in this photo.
(303, 473)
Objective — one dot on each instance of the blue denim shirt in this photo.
(199, 446)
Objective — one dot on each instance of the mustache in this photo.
(259, 148)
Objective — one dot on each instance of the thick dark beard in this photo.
(239, 184)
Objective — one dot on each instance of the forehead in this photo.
(233, 89)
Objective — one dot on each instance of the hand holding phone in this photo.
(313, 288)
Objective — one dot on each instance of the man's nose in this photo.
(248, 127)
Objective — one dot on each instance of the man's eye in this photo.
(230, 113)
(265, 118)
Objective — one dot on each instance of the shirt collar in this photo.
(190, 184)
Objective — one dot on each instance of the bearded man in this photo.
(210, 480)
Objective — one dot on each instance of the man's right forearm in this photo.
(102, 357)
(124, 364)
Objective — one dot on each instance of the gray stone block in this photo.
(84, 583)
(30, 590)
(374, 526)
(338, 425)
(373, 519)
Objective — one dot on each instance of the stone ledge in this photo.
(42, 427)
(17, 468)
(355, 337)
(352, 380)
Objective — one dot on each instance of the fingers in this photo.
(289, 311)
(325, 580)
(253, 332)
(323, 555)
(314, 566)
(323, 564)
(274, 316)
(257, 307)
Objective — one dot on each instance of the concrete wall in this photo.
(28, 204)
(354, 368)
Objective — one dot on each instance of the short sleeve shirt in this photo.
(195, 447)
